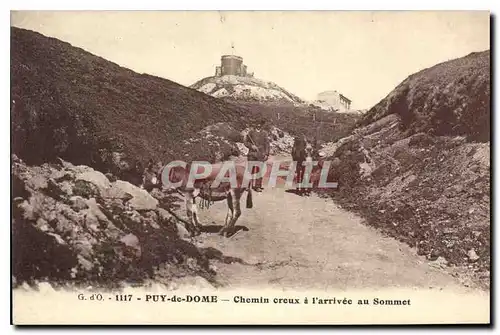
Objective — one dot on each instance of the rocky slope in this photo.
(337, 109)
(451, 98)
(71, 224)
(68, 103)
(305, 120)
(248, 89)
(418, 166)
(221, 141)
(82, 130)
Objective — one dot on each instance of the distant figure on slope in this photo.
(257, 142)
(151, 176)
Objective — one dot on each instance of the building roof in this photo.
(346, 98)
(231, 56)
(335, 93)
(328, 92)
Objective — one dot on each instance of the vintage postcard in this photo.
(250, 167)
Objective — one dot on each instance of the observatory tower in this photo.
(232, 65)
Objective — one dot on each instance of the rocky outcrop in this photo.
(248, 89)
(432, 192)
(69, 103)
(220, 141)
(71, 223)
(418, 165)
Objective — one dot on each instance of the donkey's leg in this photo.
(236, 211)
(196, 223)
(188, 200)
(300, 175)
(229, 214)
(191, 211)
(297, 176)
(307, 179)
(230, 210)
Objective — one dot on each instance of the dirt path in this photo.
(311, 243)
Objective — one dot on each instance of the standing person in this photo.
(257, 142)
(151, 176)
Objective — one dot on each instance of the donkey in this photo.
(303, 150)
(208, 192)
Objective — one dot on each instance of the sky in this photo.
(364, 55)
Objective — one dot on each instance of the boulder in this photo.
(71, 223)
(95, 177)
(130, 240)
(139, 199)
(473, 256)
(182, 232)
(78, 203)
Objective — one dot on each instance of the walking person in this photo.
(257, 142)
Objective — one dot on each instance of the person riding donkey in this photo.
(257, 142)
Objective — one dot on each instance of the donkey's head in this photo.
(304, 148)
(309, 149)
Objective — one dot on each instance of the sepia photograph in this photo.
(250, 167)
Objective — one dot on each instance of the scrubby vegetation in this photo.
(68, 103)
(451, 98)
(310, 121)
(105, 122)
(418, 165)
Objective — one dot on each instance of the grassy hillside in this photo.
(326, 126)
(450, 98)
(418, 167)
(70, 223)
(70, 103)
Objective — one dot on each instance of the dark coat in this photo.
(261, 140)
